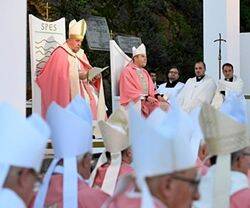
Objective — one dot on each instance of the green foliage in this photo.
(171, 29)
(245, 16)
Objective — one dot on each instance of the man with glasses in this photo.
(239, 190)
(173, 86)
(226, 183)
(197, 90)
(22, 147)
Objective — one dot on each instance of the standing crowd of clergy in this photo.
(175, 146)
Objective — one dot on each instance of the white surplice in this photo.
(195, 93)
(170, 91)
(236, 86)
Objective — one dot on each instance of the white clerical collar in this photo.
(173, 81)
(9, 199)
(199, 78)
(229, 79)
(138, 69)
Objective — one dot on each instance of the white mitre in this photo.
(115, 137)
(71, 136)
(159, 147)
(140, 50)
(78, 29)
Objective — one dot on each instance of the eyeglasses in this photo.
(193, 182)
(246, 153)
(173, 72)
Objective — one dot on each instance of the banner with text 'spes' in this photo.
(44, 38)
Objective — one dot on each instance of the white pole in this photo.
(221, 16)
(13, 53)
